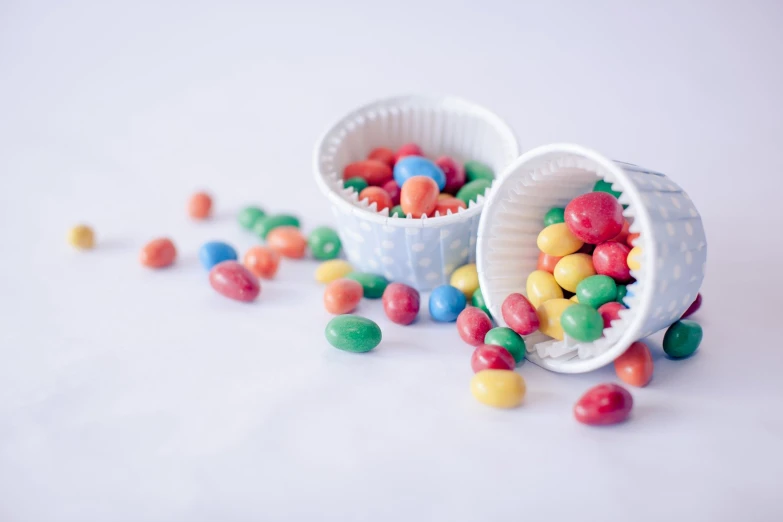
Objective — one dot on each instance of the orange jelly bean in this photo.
(444, 205)
(158, 253)
(635, 366)
(262, 261)
(547, 263)
(200, 205)
(287, 241)
(342, 296)
(376, 195)
(419, 196)
(631, 238)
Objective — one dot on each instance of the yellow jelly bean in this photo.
(465, 279)
(498, 388)
(557, 240)
(331, 270)
(81, 236)
(541, 286)
(574, 298)
(635, 258)
(549, 316)
(570, 270)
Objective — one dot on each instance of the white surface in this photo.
(140, 396)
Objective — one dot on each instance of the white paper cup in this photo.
(674, 247)
(418, 252)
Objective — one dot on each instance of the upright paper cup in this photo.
(674, 247)
(419, 252)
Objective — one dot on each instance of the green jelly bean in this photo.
(622, 291)
(582, 322)
(373, 284)
(478, 301)
(596, 290)
(353, 333)
(476, 170)
(508, 339)
(248, 217)
(605, 186)
(682, 339)
(357, 184)
(266, 224)
(554, 216)
(471, 191)
(397, 211)
(324, 243)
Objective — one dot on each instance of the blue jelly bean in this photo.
(216, 252)
(410, 166)
(446, 302)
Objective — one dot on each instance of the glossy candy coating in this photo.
(541, 287)
(248, 216)
(357, 184)
(582, 322)
(605, 186)
(635, 366)
(446, 303)
(411, 166)
(491, 357)
(478, 301)
(611, 259)
(572, 270)
(158, 253)
(287, 241)
(472, 325)
(594, 217)
(693, 308)
(554, 215)
(333, 269)
(262, 261)
(374, 284)
(498, 388)
(419, 196)
(508, 339)
(81, 237)
(342, 296)
(547, 263)
(215, 252)
(232, 280)
(394, 191)
(401, 303)
(476, 170)
(596, 290)
(603, 405)
(200, 205)
(409, 149)
(266, 224)
(610, 312)
(549, 316)
(455, 174)
(397, 211)
(376, 195)
(352, 333)
(557, 240)
(465, 278)
(375, 173)
(450, 204)
(682, 339)
(519, 314)
(472, 190)
(324, 243)
(635, 258)
(384, 155)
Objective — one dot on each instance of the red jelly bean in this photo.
(604, 404)
(635, 366)
(547, 263)
(374, 172)
(473, 324)
(342, 296)
(444, 205)
(409, 149)
(594, 217)
(610, 312)
(693, 307)
(401, 303)
(611, 259)
(394, 191)
(491, 357)
(519, 314)
(383, 155)
(455, 174)
(376, 195)
(234, 281)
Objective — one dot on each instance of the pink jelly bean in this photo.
(455, 174)
(594, 217)
(693, 308)
(491, 357)
(611, 259)
(394, 191)
(409, 149)
(234, 281)
(519, 314)
(473, 324)
(610, 312)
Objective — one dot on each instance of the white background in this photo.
(132, 395)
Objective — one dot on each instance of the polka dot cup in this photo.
(418, 252)
(674, 247)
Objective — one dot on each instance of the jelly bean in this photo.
(401, 303)
(446, 302)
(419, 196)
(622, 291)
(82, 237)
(394, 191)
(557, 240)
(328, 271)
(409, 149)
(693, 308)
(200, 205)
(476, 170)
(262, 261)
(491, 357)
(596, 290)
(610, 312)
(572, 269)
(635, 366)
(603, 405)
(232, 280)
(266, 224)
(324, 243)
(611, 259)
(622, 237)
(478, 301)
(508, 339)
(466, 279)
(450, 204)
(357, 184)
(582, 322)
(374, 284)
(383, 155)
(248, 216)
(352, 333)
(547, 263)
(472, 325)
(541, 287)
(605, 186)
(376, 195)
(342, 296)
(471, 191)
(682, 339)
(554, 215)
(498, 388)
(549, 316)
(397, 211)
(158, 253)
(288, 242)
(455, 175)
(519, 314)
(594, 217)
(215, 252)
(411, 166)
(634, 259)
(375, 173)
(631, 239)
